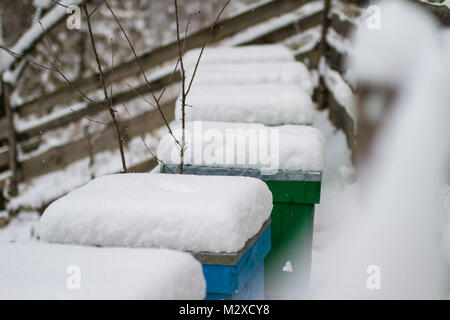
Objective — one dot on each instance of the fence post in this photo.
(12, 139)
(322, 92)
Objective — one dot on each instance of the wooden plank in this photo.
(225, 28)
(4, 160)
(145, 166)
(12, 140)
(291, 29)
(342, 27)
(342, 120)
(3, 125)
(310, 58)
(320, 94)
(93, 109)
(159, 83)
(275, 36)
(59, 157)
(336, 60)
(442, 13)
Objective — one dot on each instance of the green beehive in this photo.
(287, 268)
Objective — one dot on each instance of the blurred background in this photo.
(381, 75)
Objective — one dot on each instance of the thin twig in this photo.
(185, 91)
(96, 8)
(204, 44)
(52, 69)
(145, 144)
(105, 91)
(136, 57)
(138, 94)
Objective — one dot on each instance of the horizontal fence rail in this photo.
(225, 28)
(61, 156)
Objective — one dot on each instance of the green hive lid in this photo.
(286, 186)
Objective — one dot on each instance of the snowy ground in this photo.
(338, 185)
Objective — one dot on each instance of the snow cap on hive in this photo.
(182, 212)
(251, 74)
(272, 104)
(242, 145)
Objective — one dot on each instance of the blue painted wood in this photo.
(224, 281)
(252, 290)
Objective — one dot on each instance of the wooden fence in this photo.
(23, 169)
(58, 157)
(336, 61)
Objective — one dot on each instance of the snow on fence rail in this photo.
(271, 22)
(32, 163)
(344, 18)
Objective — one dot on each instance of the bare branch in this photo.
(98, 6)
(166, 122)
(108, 100)
(204, 44)
(51, 68)
(146, 146)
(185, 91)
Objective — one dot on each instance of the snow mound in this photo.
(288, 147)
(182, 212)
(244, 54)
(388, 54)
(267, 103)
(253, 73)
(49, 271)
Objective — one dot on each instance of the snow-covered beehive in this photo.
(272, 104)
(223, 221)
(51, 271)
(252, 73)
(248, 146)
(252, 84)
(188, 213)
(288, 158)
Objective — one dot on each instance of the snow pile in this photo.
(189, 213)
(390, 220)
(253, 73)
(48, 271)
(267, 103)
(288, 147)
(245, 54)
(388, 54)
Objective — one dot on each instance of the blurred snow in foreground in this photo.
(393, 216)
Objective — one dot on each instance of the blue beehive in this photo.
(240, 275)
